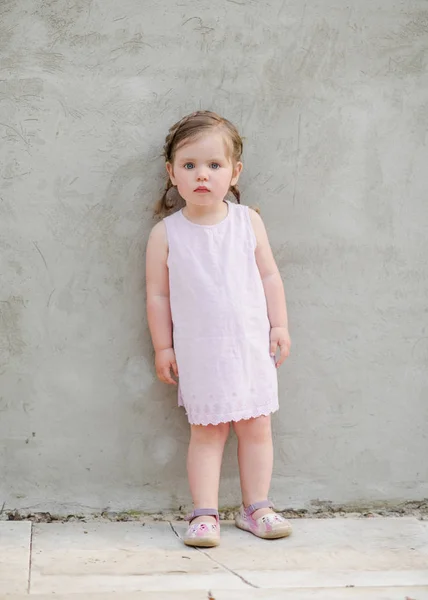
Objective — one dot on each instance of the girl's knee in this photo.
(210, 433)
(254, 430)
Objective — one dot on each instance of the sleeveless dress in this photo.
(220, 321)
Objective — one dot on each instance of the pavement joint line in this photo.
(217, 562)
(30, 559)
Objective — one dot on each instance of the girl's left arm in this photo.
(274, 291)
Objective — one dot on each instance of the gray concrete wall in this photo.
(332, 98)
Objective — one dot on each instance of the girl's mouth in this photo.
(201, 188)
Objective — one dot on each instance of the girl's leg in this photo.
(255, 457)
(204, 464)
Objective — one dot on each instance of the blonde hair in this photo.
(187, 128)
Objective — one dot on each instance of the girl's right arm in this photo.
(158, 303)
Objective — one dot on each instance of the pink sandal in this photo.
(203, 535)
(269, 527)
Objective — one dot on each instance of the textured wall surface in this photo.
(332, 98)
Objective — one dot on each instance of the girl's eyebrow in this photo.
(194, 159)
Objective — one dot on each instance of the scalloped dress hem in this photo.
(241, 415)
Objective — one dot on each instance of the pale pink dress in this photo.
(220, 323)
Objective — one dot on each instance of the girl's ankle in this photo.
(262, 508)
(207, 519)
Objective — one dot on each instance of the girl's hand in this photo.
(280, 338)
(164, 362)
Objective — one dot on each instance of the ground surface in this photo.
(372, 558)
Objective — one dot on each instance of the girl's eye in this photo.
(215, 166)
(189, 165)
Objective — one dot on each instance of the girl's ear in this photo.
(170, 172)
(237, 170)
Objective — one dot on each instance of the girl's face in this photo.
(203, 171)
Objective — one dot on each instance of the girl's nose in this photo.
(202, 176)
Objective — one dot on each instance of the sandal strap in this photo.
(202, 512)
(257, 505)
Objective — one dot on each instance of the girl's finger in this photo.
(175, 368)
(167, 375)
(273, 347)
(284, 354)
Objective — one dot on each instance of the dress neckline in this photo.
(226, 218)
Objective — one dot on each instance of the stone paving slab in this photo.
(125, 557)
(327, 579)
(15, 543)
(376, 593)
(320, 559)
(377, 544)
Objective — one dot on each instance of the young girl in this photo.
(218, 319)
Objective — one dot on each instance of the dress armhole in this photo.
(165, 221)
(250, 227)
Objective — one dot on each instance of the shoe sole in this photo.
(201, 543)
(269, 535)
